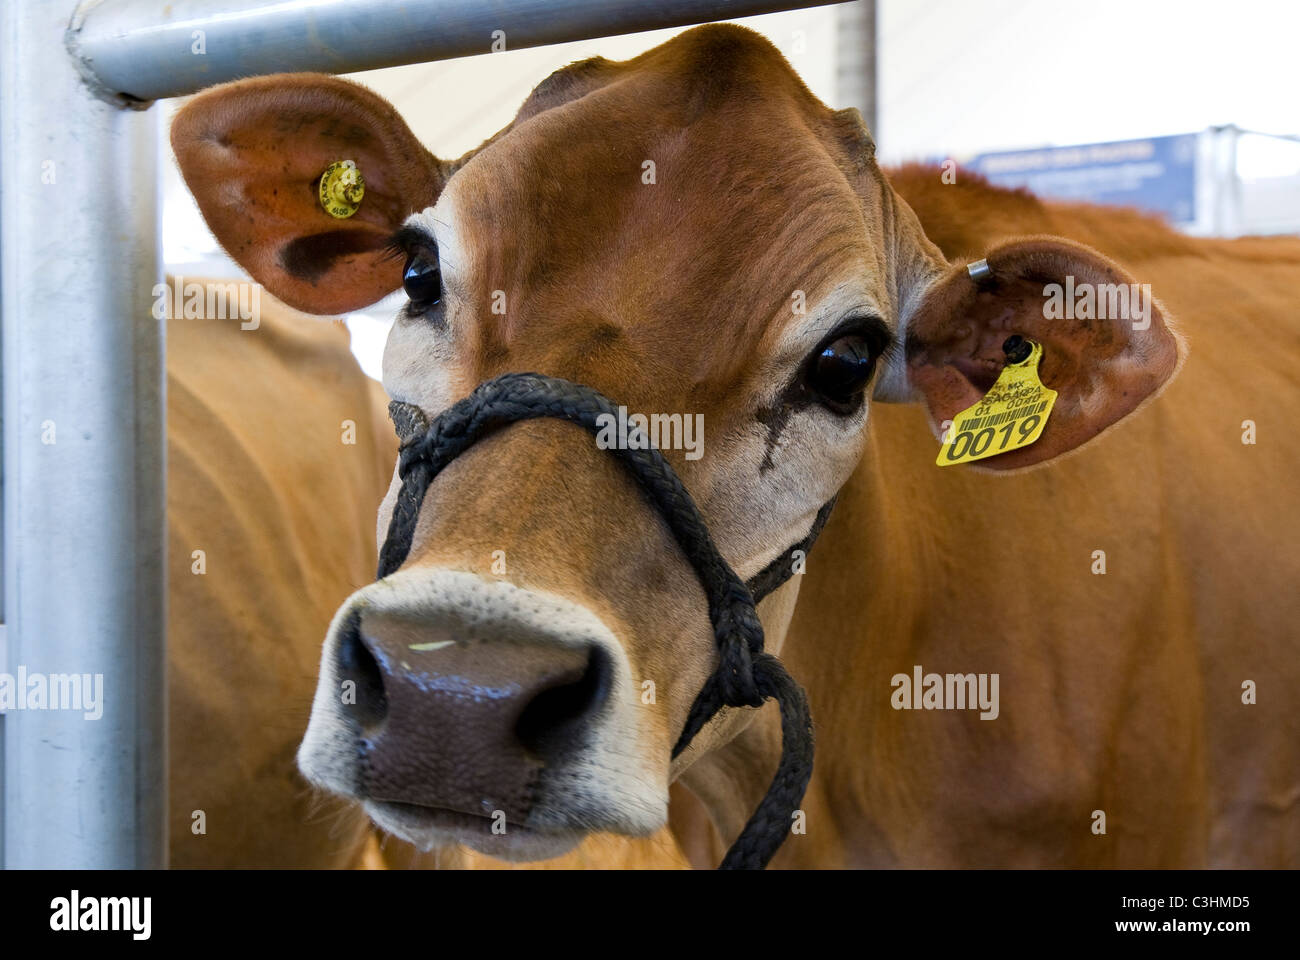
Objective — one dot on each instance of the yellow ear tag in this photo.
(341, 189)
(1010, 416)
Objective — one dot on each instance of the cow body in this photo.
(1143, 670)
(692, 232)
(1120, 692)
(261, 481)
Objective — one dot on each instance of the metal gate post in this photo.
(855, 60)
(83, 461)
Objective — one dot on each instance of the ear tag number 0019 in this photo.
(1010, 416)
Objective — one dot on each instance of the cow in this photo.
(277, 453)
(279, 450)
(692, 232)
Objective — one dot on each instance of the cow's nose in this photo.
(466, 724)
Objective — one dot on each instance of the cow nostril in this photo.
(555, 714)
(368, 700)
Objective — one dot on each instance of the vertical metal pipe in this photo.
(855, 59)
(1227, 218)
(83, 459)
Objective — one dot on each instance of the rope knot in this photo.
(736, 686)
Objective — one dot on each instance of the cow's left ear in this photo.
(1108, 346)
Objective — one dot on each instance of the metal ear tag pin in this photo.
(341, 189)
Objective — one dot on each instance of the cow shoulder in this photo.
(276, 464)
(1168, 542)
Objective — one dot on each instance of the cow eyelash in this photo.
(409, 241)
(880, 339)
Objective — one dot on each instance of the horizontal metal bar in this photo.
(141, 50)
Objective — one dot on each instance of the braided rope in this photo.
(746, 676)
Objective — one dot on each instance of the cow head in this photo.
(690, 232)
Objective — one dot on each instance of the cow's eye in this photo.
(421, 281)
(840, 370)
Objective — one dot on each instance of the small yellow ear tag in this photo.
(341, 189)
(1010, 416)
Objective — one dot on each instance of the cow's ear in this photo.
(1108, 346)
(253, 153)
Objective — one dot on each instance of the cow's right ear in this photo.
(253, 153)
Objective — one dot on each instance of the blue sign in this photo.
(1157, 175)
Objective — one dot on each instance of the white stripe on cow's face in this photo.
(767, 491)
(442, 223)
(803, 333)
(420, 350)
(419, 353)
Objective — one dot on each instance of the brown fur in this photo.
(1119, 692)
(260, 480)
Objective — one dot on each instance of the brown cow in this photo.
(262, 479)
(279, 449)
(692, 232)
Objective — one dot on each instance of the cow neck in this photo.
(746, 675)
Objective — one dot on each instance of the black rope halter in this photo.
(746, 675)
